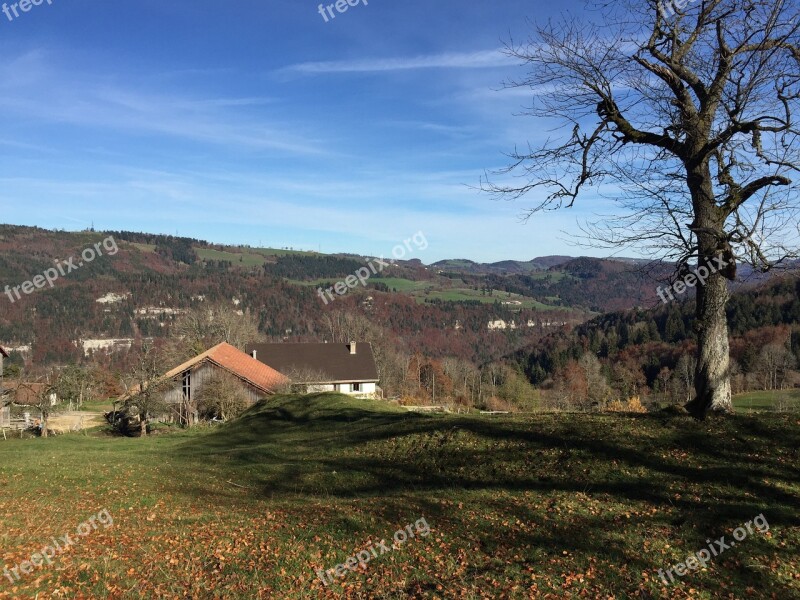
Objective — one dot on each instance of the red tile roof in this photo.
(238, 363)
(235, 361)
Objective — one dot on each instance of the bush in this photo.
(631, 405)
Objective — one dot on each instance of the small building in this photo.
(345, 368)
(183, 386)
(23, 393)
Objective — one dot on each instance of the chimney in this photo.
(254, 354)
(352, 347)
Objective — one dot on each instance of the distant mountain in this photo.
(138, 285)
(504, 267)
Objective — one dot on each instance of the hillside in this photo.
(506, 267)
(650, 352)
(534, 506)
(143, 282)
(139, 285)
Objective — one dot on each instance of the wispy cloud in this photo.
(48, 93)
(450, 60)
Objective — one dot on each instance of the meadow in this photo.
(525, 506)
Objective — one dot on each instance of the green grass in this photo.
(782, 400)
(144, 247)
(431, 290)
(467, 294)
(243, 259)
(97, 406)
(405, 286)
(279, 252)
(551, 506)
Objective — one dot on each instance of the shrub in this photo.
(631, 405)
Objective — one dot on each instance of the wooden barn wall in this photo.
(201, 376)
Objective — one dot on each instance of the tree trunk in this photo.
(712, 382)
(143, 426)
(712, 376)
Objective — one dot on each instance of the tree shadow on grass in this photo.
(700, 479)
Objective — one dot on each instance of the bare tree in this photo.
(144, 385)
(43, 392)
(206, 326)
(222, 396)
(664, 377)
(74, 385)
(298, 380)
(688, 112)
(774, 363)
(684, 374)
(345, 326)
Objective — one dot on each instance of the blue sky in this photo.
(258, 122)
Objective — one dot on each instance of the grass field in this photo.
(427, 290)
(242, 259)
(465, 294)
(767, 401)
(546, 506)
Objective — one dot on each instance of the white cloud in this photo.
(450, 60)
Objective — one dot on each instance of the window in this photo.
(356, 387)
(187, 385)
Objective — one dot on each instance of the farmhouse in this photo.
(181, 387)
(345, 368)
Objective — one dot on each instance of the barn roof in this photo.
(238, 363)
(233, 360)
(24, 394)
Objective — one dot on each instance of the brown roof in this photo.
(26, 394)
(334, 361)
(236, 362)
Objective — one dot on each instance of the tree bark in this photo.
(712, 381)
(712, 375)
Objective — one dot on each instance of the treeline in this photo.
(650, 354)
(179, 249)
(585, 282)
(304, 267)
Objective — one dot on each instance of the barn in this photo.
(181, 387)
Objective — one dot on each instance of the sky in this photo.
(263, 122)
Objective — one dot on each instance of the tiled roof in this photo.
(24, 394)
(334, 363)
(238, 363)
(232, 360)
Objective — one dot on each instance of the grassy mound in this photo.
(519, 507)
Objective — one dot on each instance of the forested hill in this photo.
(140, 283)
(639, 349)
